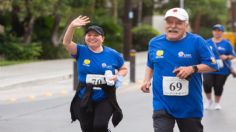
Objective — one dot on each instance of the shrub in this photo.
(20, 51)
(49, 51)
(142, 35)
(113, 31)
(205, 32)
(113, 35)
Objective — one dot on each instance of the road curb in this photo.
(28, 82)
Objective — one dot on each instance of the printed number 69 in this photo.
(175, 86)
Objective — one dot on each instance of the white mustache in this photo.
(173, 30)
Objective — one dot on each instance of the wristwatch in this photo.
(195, 69)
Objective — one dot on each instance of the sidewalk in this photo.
(45, 70)
(31, 72)
(14, 75)
(46, 78)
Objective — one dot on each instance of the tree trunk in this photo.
(140, 10)
(17, 26)
(127, 36)
(28, 28)
(2, 31)
(28, 24)
(54, 37)
(196, 23)
(115, 10)
(93, 6)
(233, 9)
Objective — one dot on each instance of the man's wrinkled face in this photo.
(175, 28)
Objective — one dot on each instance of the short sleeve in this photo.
(206, 55)
(231, 50)
(120, 60)
(76, 56)
(149, 62)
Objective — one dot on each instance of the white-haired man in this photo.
(175, 62)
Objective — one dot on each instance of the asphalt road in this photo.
(51, 114)
(43, 106)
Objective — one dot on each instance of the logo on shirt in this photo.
(86, 62)
(104, 65)
(221, 48)
(181, 54)
(159, 54)
(213, 60)
(211, 47)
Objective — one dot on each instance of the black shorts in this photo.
(164, 122)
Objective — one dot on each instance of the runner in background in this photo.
(224, 52)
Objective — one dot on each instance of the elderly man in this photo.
(175, 62)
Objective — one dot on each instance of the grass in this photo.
(14, 62)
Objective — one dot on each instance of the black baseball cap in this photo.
(95, 28)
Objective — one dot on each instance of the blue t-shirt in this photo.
(163, 57)
(223, 48)
(89, 62)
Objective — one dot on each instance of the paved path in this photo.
(46, 80)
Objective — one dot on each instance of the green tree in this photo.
(203, 13)
(27, 11)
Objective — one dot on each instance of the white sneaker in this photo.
(208, 104)
(217, 106)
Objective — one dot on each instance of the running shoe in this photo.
(217, 106)
(208, 104)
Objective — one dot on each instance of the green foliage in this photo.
(42, 28)
(142, 35)
(113, 31)
(19, 51)
(51, 52)
(39, 8)
(210, 12)
(113, 35)
(82, 3)
(5, 5)
(205, 32)
(79, 35)
(15, 16)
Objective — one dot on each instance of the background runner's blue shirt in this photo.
(89, 62)
(224, 48)
(163, 57)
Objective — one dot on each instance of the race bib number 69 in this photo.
(174, 86)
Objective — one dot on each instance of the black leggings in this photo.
(216, 81)
(96, 121)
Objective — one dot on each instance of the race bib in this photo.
(174, 86)
(220, 63)
(95, 79)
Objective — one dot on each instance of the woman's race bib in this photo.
(95, 79)
(220, 63)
